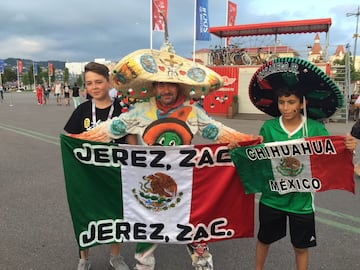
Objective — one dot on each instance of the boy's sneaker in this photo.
(203, 264)
(145, 260)
(117, 263)
(200, 256)
(84, 264)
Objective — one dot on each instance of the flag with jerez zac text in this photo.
(302, 165)
(182, 194)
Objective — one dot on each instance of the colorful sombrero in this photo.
(322, 94)
(134, 74)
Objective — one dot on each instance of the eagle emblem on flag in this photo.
(158, 192)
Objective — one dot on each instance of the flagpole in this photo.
(151, 25)
(34, 77)
(227, 13)
(227, 20)
(18, 75)
(1, 72)
(17, 71)
(194, 42)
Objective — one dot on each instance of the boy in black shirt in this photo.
(88, 115)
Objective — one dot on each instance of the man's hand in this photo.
(255, 139)
(97, 134)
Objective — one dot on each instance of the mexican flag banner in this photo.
(303, 165)
(181, 194)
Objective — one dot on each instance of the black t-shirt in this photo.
(81, 118)
(75, 91)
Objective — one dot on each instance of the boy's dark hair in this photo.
(286, 91)
(98, 68)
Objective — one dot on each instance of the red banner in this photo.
(231, 18)
(159, 14)
(232, 10)
(218, 102)
(19, 66)
(50, 69)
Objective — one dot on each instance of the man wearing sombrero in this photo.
(290, 90)
(169, 118)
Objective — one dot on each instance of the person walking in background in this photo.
(87, 116)
(58, 92)
(39, 94)
(47, 90)
(355, 132)
(2, 93)
(76, 95)
(356, 108)
(67, 94)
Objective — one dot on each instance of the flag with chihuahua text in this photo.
(302, 165)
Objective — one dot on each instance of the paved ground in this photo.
(35, 226)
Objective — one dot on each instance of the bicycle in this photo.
(240, 58)
(262, 58)
(231, 55)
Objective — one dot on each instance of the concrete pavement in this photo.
(35, 224)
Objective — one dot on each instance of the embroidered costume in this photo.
(158, 124)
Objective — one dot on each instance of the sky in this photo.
(82, 30)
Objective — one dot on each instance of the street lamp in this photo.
(357, 14)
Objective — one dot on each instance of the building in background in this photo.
(316, 52)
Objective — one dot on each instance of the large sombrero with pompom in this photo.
(134, 74)
(322, 94)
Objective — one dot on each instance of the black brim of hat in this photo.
(322, 94)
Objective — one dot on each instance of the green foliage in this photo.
(354, 75)
(79, 81)
(66, 75)
(9, 75)
(26, 79)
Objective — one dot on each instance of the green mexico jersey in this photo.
(295, 202)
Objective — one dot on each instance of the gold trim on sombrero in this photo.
(135, 73)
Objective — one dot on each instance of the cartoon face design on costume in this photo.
(169, 139)
(170, 131)
(167, 132)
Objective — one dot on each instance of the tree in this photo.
(26, 79)
(30, 75)
(354, 75)
(79, 81)
(9, 75)
(66, 75)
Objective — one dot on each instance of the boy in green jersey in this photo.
(283, 89)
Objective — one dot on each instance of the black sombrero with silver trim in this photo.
(322, 94)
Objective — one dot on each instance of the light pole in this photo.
(357, 14)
